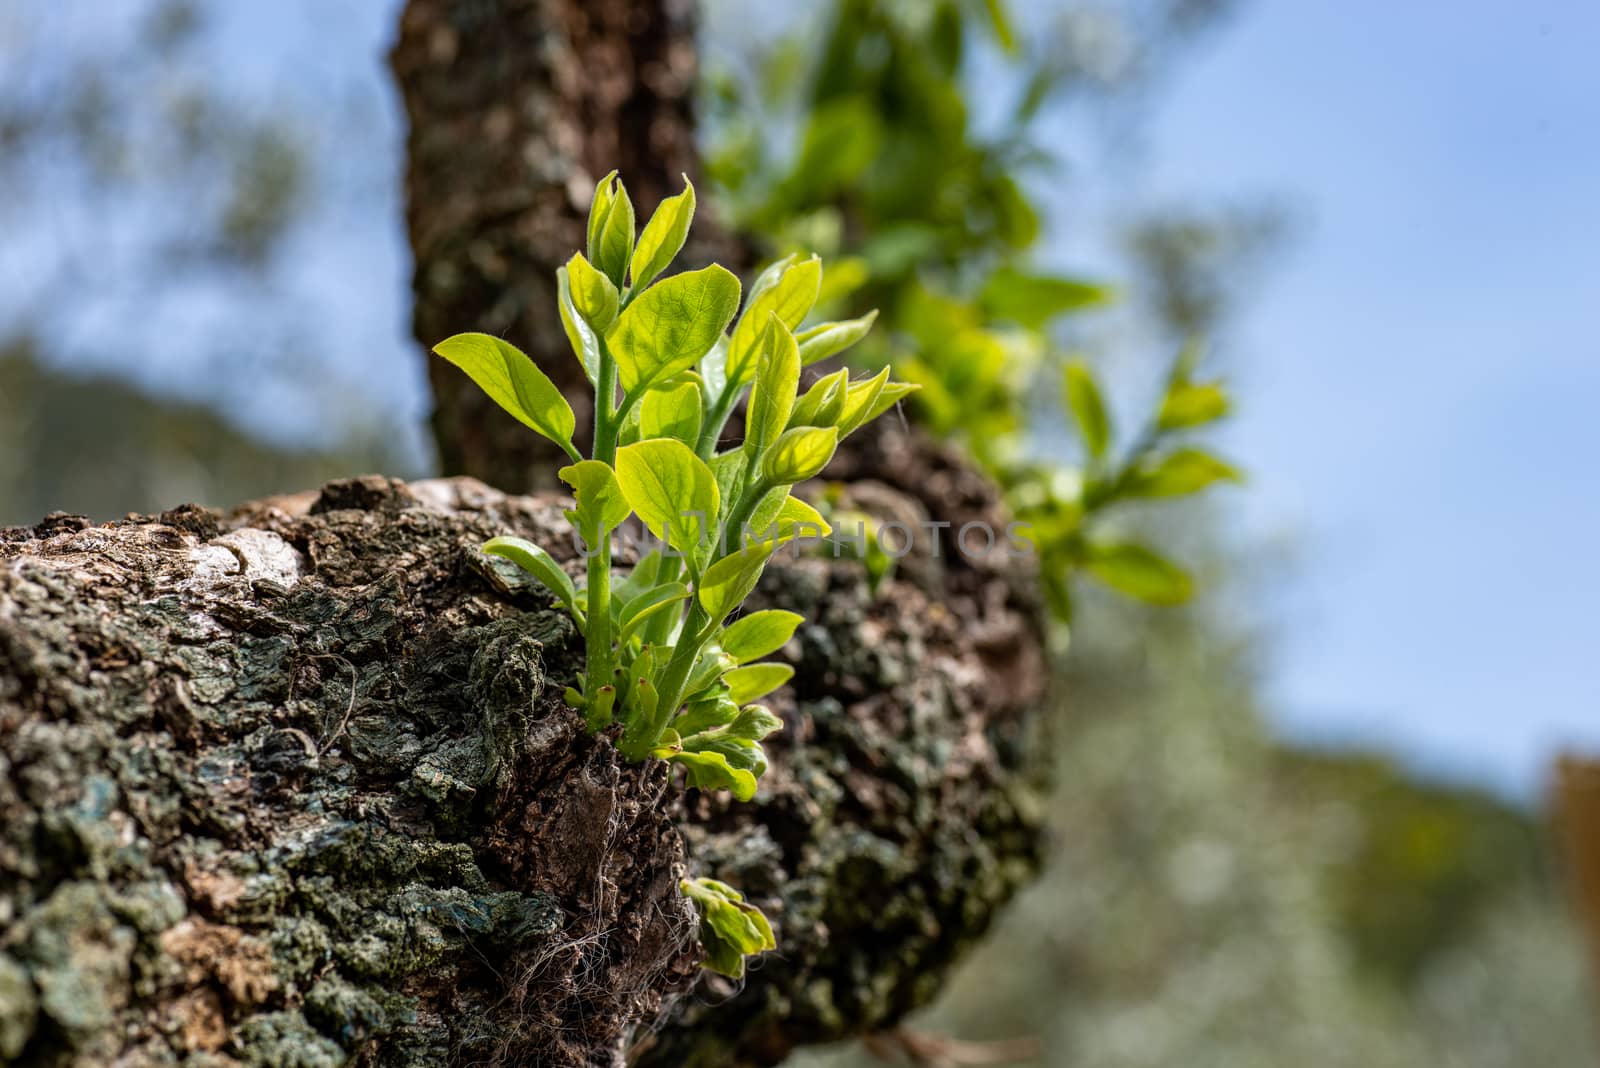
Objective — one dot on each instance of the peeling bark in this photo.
(295, 786)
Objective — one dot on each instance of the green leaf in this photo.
(541, 565)
(640, 702)
(730, 928)
(859, 400)
(741, 753)
(780, 518)
(1192, 404)
(639, 610)
(580, 335)
(1088, 408)
(823, 402)
(708, 668)
(829, 339)
(672, 325)
(663, 235)
(714, 368)
(593, 295)
(772, 397)
(512, 381)
(790, 299)
(1032, 300)
(599, 207)
(1139, 572)
(711, 771)
(1181, 472)
(746, 684)
(729, 581)
(611, 237)
(601, 505)
(755, 722)
(800, 454)
(641, 578)
(892, 394)
(759, 633)
(797, 519)
(672, 489)
(728, 469)
(672, 413)
(1000, 24)
(706, 713)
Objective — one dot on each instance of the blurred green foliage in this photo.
(932, 224)
(1215, 897)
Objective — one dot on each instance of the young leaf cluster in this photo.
(1157, 464)
(668, 655)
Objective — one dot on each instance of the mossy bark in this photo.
(295, 786)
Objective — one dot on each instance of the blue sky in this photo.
(1416, 377)
(1420, 375)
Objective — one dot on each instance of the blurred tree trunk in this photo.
(517, 108)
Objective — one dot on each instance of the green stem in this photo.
(733, 533)
(716, 419)
(696, 630)
(597, 661)
(605, 413)
(597, 664)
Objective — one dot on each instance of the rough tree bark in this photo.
(295, 787)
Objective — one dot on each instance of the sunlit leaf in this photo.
(746, 684)
(776, 382)
(639, 611)
(663, 236)
(593, 295)
(789, 299)
(538, 563)
(611, 241)
(1192, 404)
(512, 381)
(671, 488)
(672, 325)
(829, 339)
(580, 335)
(800, 454)
(860, 400)
(601, 505)
(672, 413)
(729, 581)
(821, 404)
(759, 633)
(711, 771)
(1032, 300)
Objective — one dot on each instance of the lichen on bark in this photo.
(295, 788)
(295, 785)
